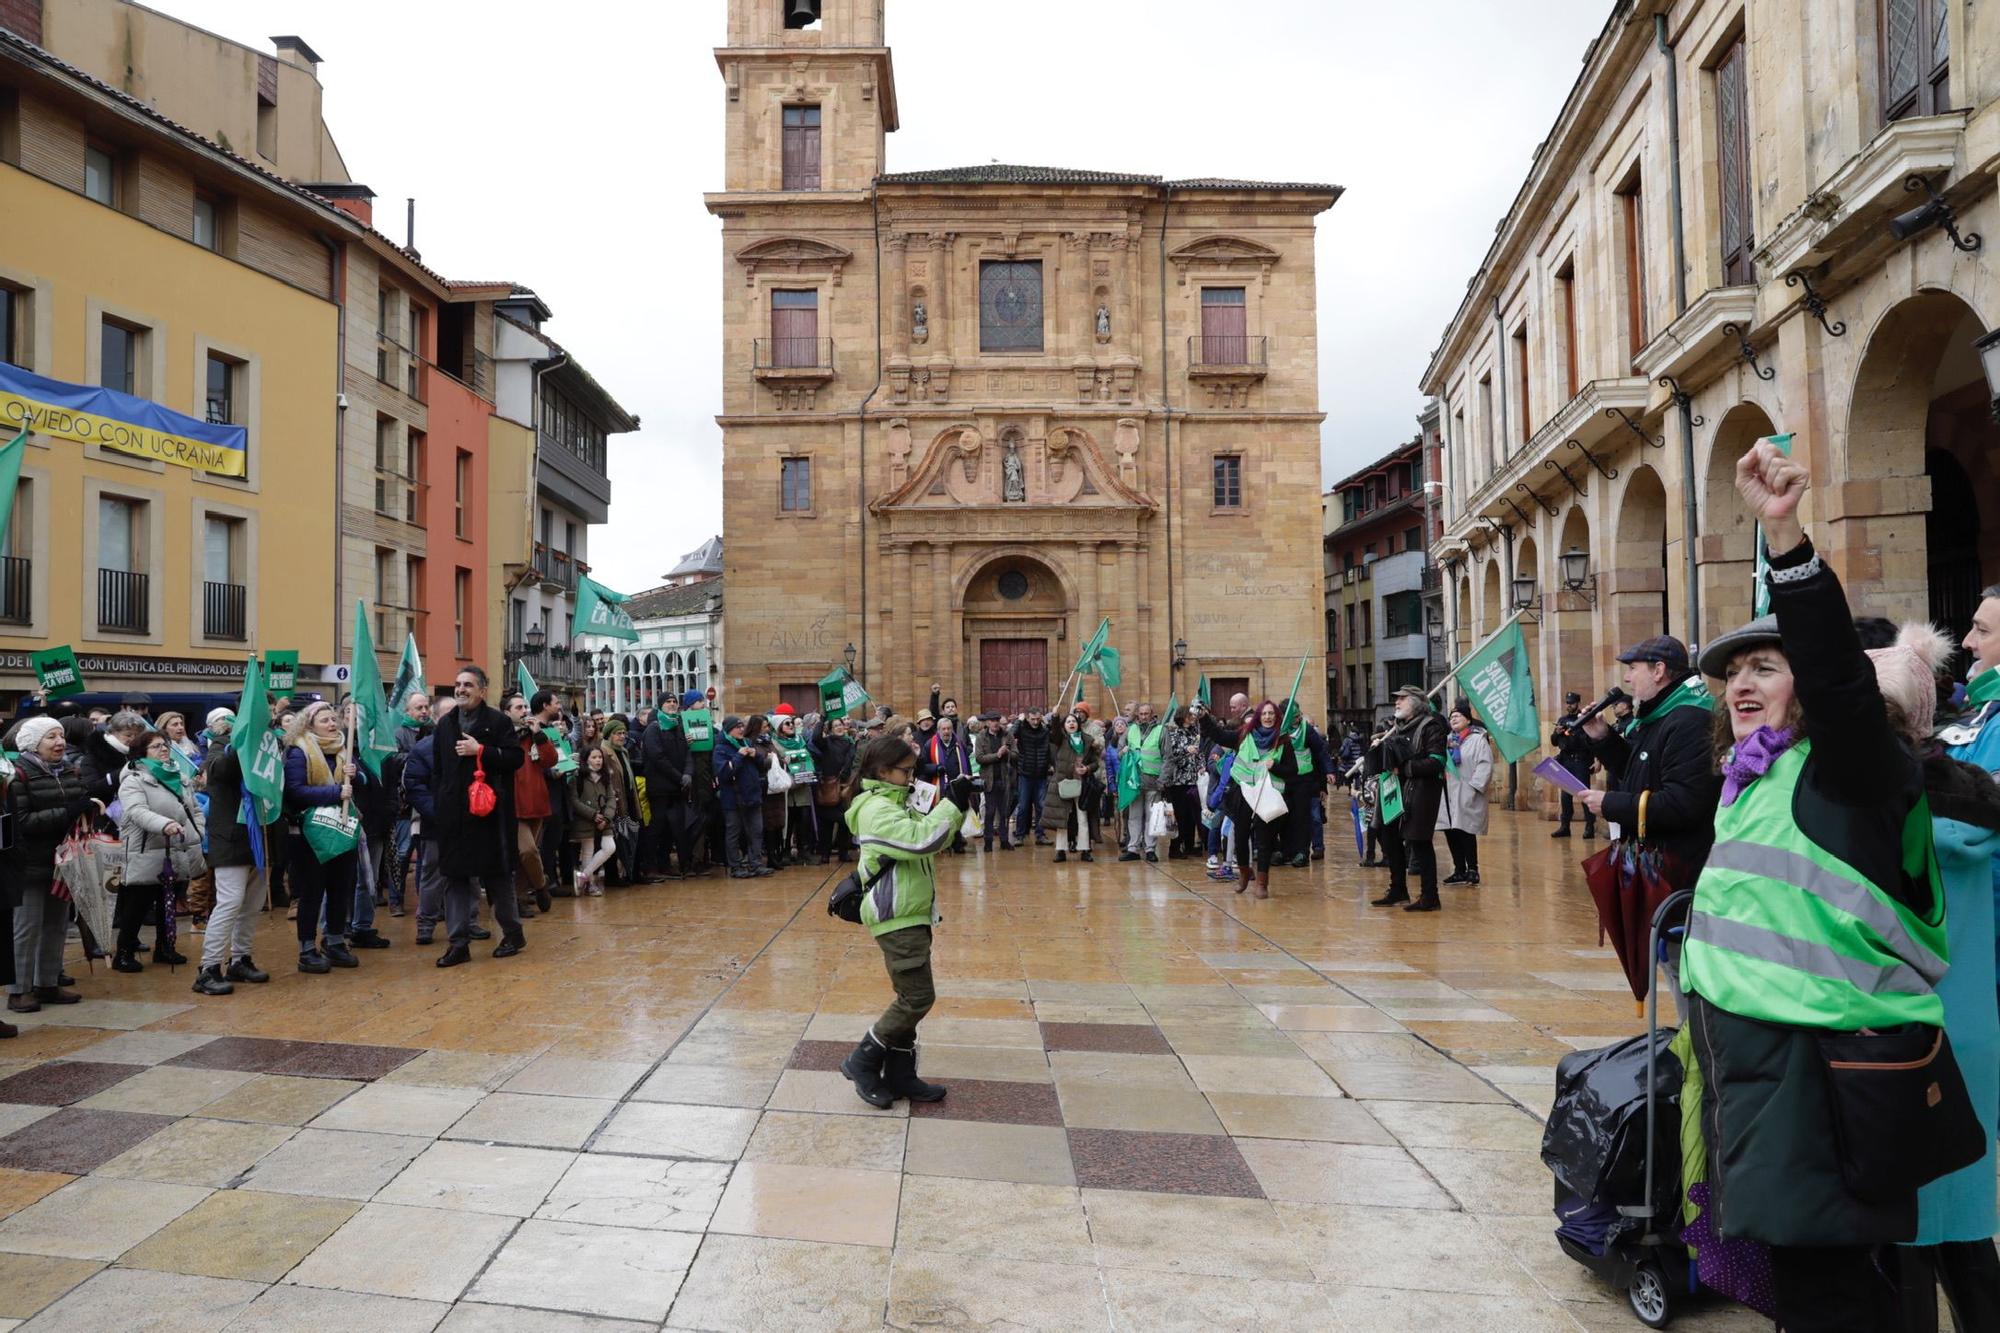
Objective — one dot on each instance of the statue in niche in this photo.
(1014, 486)
(920, 324)
(1103, 323)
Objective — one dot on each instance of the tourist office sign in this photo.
(119, 421)
(125, 665)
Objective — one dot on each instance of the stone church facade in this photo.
(969, 412)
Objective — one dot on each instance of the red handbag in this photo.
(479, 796)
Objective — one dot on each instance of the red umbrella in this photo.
(1628, 882)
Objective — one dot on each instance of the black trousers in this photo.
(833, 830)
(1256, 838)
(996, 806)
(1186, 802)
(314, 885)
(1464, 851)
(1837, 1288)
(128, 914)
(1411, 856)
(1969, 1272)
(1589, 820)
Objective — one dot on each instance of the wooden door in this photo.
(1013, 675)
(1221, 689)
(1224, 330)
(803, 698)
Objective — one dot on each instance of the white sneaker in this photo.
(1213, 862)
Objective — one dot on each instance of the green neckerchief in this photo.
(1690, 693)
(1076, 741)
(168, 773)
(1984, 688)
(668, 721)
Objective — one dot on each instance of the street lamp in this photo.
(1180, 653)
(1575, 569)
(535, 638)
(605, 660)
(847, 656)
(1524, 592)
(1988, 348)
(1434, 624)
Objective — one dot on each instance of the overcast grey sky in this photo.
(568, 146)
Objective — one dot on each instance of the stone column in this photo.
(1125, 296)
(896, 248)
(1074, 314)
(1083, 559)
(898, 639)
(943, 637)
(1140, 674)
(941, 277)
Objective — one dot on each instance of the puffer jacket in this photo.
(885, 829)
(228, 836)
(1031, 749)
(146, 806)
(739, 774)
(46, 802)
(589, 797)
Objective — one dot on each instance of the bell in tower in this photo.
(801, 13)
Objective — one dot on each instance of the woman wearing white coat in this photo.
(1466, 779)
(159, 817)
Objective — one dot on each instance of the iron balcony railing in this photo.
(792, 353)
(224, 611)
(1226, 349)
(16, 581)
(122, 601)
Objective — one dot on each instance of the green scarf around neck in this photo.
(168, 773)
(1984, 688)
(1076, 741)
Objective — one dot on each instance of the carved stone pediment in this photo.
(964, 469)
(1223, 253)
(793, 254)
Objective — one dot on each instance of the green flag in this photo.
(1201, 691)
(1173, 706)
(371, 709)
(841, 695)
(1128, 776)
(409, 680)
(600, 611)
(1109, 667)
(1090, 649)
(10, 478)
(1760, 588)
(528, 686)
(1291, 722)
(257, 746)
(1497, 680)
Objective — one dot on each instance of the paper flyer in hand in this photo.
(1551, 771)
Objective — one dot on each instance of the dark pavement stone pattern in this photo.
(76, 1141)
(61, 1082)
(995, 1102)
(1120, 1038)
(1124, 1159)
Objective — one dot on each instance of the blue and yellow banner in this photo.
(119, 421)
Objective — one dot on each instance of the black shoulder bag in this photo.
(845, 900)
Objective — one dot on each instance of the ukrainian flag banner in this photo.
(113, 420)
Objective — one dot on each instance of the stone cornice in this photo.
(1696, 335)
(1861, 190)
(1584, 418)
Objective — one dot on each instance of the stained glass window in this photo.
(1010, 305)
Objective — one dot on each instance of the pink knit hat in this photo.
(1906, 673)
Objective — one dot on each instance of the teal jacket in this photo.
(885, 829)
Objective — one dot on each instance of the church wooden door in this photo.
(1013, 675)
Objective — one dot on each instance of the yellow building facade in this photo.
(161, 577)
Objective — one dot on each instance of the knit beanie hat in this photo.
(1906, 673)
(29, 737)
(216, 715)
(692, 699)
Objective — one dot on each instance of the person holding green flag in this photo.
(1142, 759)
(1265, 761)
(1413, 754)
(1667, 754)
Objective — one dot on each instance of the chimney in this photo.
(23, 18)
(410, 228)
(349, 197)
(294, 51)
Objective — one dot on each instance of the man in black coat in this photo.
(475, 849)
(106, 753)
(1573, 753)
(1666, 754)
(1414, 750)
(669, 769)
(1031, 781)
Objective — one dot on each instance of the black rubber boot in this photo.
(899, 1071)
(209, 982)
(863, 1068)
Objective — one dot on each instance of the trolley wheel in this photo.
(1650, 1296)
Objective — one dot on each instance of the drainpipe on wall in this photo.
(861, 421)
(1167, 407)
(1507, 565)
(1690, 510)
(336, 286)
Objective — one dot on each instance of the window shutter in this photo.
(1732, 130)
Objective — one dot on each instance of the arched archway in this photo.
(1637, 580)
(1462, 627)
(1726, 554)
(1574, 659)
(1528, 565)
(1013, 605)
(1920, 403)
(1492, 596)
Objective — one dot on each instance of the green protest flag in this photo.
(257, 747)
(281, 673)
(56, 672)
(841, 695)
(11, 456)
(1109, 667)
(1201, 692)
(371, 710)
(409, 680)
(565, 753)
(527, 681)
(1497, 680)
(1760, 586)
(1128, 776)
(1291, 722)
(1173, 706)
(1090, 650)
(600, 611)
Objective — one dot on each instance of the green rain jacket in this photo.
(885, 829)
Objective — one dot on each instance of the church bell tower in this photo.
(812, 95)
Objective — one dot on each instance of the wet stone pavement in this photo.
(1170, 1108)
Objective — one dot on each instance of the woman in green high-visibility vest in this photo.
(1818, 912)
(1262, 753)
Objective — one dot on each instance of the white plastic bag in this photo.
(1265, 799)
(975, 823)
(1159, 820)
(777, 780)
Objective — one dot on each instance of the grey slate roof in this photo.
(1006, 174)
(704, 559)
(689, 599)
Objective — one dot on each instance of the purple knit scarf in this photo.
(1752, 759)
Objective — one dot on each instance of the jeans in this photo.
(430, 887)
(365, 861)
(41, 923)
(743, 837)
(330, 885)
(461, 910)
(1319, 826)
(232, 922)
(401, 845)
(1028, 795)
